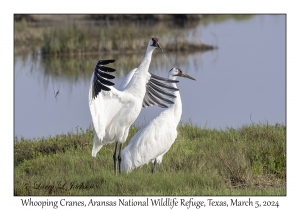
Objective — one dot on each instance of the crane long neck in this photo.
(145, 63)
(137, 86)
(177, 106)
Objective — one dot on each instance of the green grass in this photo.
(250, 160)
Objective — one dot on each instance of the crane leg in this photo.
(119, 157)
(153, 166)
(115, 158)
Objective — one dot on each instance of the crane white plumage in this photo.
(155, 139)
(114, 111)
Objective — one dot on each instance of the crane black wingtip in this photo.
(105, 62)
(101, 79)
(163, 79)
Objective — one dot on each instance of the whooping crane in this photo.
(151, 142)
(114, 111)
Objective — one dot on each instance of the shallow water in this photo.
(241, 82)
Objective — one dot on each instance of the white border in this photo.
(152, 6)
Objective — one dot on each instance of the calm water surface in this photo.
(240, 83)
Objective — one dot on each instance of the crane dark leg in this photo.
(115, 158)
(119, 157)
(153, 166)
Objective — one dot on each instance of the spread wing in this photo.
(107, 104)
(100, 79)
(158, 90)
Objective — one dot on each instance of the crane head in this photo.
(177, 72)
(154, 43)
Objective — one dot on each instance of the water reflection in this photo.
(244, 77)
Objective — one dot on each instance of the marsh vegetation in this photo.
(247, 161)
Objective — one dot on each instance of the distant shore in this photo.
(82, 34)
(132, 17)
(87, 33)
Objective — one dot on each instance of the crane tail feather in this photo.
(96, 146)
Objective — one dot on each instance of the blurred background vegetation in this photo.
(69, 45)
(78, 34)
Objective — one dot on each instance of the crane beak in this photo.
(187, 76)
(157, 45)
